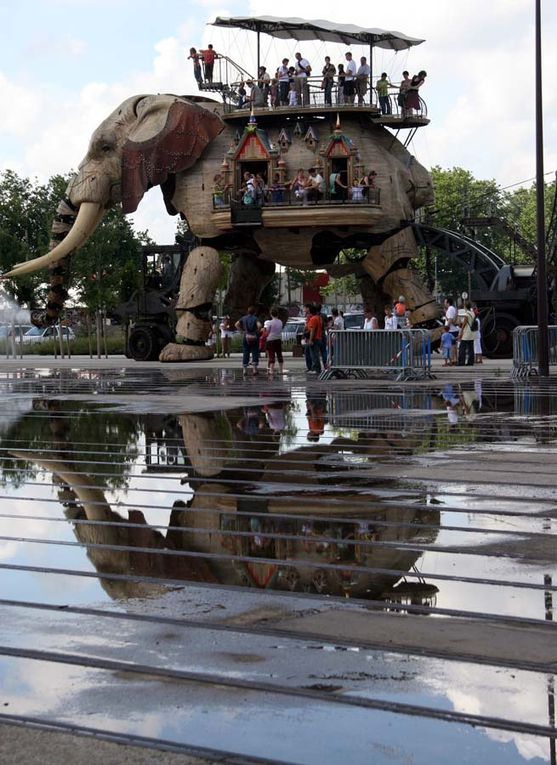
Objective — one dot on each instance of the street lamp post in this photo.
(543, 344)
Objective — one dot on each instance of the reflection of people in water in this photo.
(275, 416)
(316, 410)
(252, 421)
(451, 399)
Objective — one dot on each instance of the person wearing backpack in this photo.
(467, 335)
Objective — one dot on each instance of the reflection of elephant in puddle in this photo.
(303, 520)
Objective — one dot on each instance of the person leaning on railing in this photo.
(369, 187)
(337, 188)
(403, 92)
(220, 190)
(412, 102)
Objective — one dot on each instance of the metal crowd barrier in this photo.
(525, 350)
(404, 353)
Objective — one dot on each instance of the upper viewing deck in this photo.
(243, 91)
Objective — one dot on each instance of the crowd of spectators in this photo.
(347, 83)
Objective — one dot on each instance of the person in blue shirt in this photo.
(447, 342)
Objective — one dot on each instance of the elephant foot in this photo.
(179, 352)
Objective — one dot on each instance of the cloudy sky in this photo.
(65, 64)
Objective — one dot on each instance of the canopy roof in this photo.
(302, 29)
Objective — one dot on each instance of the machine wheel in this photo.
(143, 344)
(497, 339)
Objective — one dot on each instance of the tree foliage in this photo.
(104, 272)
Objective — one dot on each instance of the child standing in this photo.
(292, 95)
(447, 342)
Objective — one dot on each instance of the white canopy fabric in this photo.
(328, 31)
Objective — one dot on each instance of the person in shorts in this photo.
(447, 343)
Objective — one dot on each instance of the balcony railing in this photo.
(233, 102)
(283, 196)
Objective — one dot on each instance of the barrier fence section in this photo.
(525, 350)
(405, 353)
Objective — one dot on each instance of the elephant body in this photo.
(180, 145)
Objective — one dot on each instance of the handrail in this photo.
(285, 197)
(229, 86)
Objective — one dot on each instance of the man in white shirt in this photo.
(451, 318)
(284, 82)
(303, 70)
(362, 80)
(349, 79)
(316, 185)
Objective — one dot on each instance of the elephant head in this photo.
(143, 143)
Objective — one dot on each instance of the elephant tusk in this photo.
(88, 218)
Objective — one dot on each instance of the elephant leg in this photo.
(249, 275)
(387, 265)
(404, 281)
(198, 285)
(372, 296)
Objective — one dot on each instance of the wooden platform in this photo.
(299, 216)
(263, 114)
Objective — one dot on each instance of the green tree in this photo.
(26, 211)
(104, 272)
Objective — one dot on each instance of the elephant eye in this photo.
(106, 147)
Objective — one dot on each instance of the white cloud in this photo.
(479, 90)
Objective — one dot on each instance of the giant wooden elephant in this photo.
(180, 145)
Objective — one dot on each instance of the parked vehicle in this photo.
(353, 321)
(44, 334)
(292, 330)
(9, 330)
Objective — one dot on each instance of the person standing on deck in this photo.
(303, 70)
(283, 77)
(196, 59)
(349, 79)
(403, 92)
(382, 86)
(362, 80)
(329, 72)
(208, 57)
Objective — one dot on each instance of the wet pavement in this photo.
(280, 570)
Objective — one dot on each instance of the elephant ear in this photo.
(169, 136)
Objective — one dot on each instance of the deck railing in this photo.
(317, 100)
(283, 196)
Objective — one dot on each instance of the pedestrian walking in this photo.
(250, 326)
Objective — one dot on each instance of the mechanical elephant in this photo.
(158, 139)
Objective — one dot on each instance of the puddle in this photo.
(110, 494)
(287, 493)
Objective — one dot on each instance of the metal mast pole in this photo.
(543, 344)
